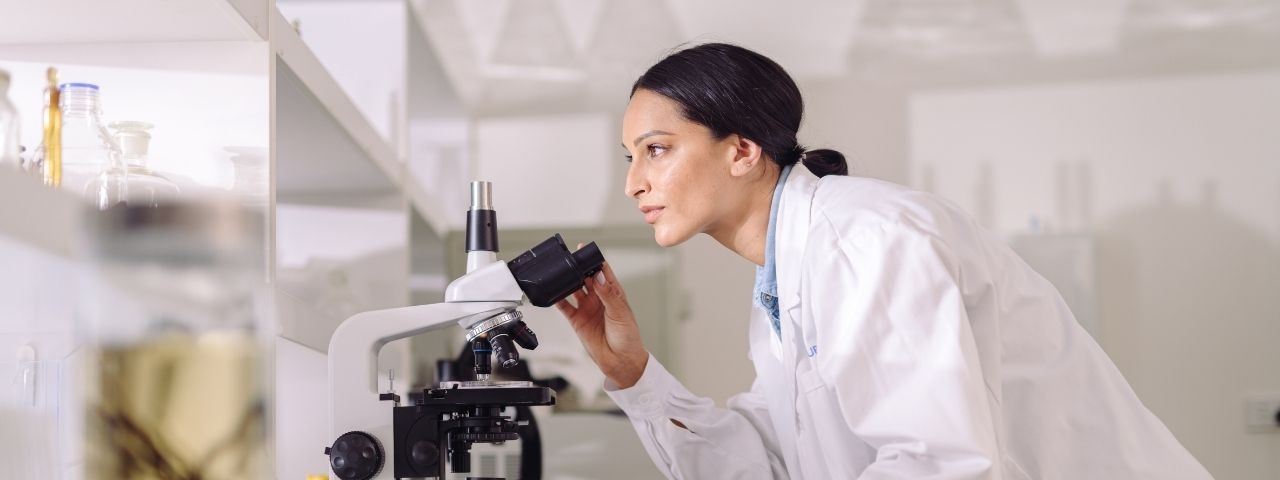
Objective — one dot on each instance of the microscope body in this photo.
(358, 411)
(373, 431)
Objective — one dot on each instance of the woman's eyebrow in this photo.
(647, 134)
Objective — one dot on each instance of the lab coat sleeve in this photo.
(897, 348)
(735, 442)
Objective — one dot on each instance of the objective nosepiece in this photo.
(481, 195)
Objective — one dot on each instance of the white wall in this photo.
(864, 120)
(548, 169)
(35, 312)
(711, 335)
(1178, 181)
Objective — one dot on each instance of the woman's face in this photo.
(679, 173)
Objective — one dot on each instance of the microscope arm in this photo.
(353, 350)
(353, 355)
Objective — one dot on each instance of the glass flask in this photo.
(251, 174)
(91, 164)
(8, 127)
(175, 327)
(145, 187)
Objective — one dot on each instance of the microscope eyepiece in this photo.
(548, 273)
(482, 220)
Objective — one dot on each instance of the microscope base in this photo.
(440, 429)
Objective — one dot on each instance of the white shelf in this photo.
(321, 153)
(338, 151)
(36, 215)
(322, 147)
(219, 75)
(30, 22)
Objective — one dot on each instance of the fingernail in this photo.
(600, 278)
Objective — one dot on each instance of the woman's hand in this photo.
(607, 328)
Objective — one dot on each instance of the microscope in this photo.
(377, 438)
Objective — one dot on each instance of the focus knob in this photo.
(355, 456)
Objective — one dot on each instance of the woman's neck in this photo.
(747, 228)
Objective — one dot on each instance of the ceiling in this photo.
(547, 55)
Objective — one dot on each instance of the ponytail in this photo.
(823, 162)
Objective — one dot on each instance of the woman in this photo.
(892, 336)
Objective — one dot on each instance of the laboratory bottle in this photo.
(174, 328)
(8, 127)
(251, 175)
(145, 187)
(47, 158)
(91, 164)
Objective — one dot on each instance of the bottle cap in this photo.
(88, 86)
(133, 137)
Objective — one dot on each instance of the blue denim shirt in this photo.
(766, 289)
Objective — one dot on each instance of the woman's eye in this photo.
(655, 150)
(629, 158)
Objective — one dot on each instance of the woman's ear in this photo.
(747, 155)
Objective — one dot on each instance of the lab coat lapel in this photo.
(791, 236)
(789, 241)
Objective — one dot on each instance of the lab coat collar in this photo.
(794, 212)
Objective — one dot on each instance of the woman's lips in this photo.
(651, 214)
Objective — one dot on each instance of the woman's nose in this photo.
(636, 184)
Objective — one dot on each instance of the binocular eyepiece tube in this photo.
(546, 273)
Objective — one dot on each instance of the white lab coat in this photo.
(914, 345)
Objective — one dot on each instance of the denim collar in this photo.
(766, 288)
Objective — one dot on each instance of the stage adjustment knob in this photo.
(355, 456)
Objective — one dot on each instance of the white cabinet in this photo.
(238, 96)
(230, 83)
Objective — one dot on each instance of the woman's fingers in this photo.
(612, 279)
(607, 288)
(608, 273)
(567, 309)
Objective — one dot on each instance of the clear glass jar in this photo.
(145, 187)
(175, 324)
(91, 164)
(251, 174)
(8, 127)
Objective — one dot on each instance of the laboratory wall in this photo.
(712, 330)
(1174, 182)
(1176, 179)
(1167, 185)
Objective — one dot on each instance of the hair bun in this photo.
(823, 162)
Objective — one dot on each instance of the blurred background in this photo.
(1129, 150)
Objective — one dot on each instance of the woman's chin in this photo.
(667, 237)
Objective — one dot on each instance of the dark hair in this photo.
(730, 89)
